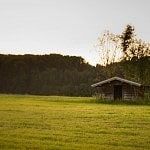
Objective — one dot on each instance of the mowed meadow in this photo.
(53, 122)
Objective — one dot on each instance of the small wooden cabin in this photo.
(118, 88)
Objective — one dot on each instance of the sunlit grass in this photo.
(53, 122)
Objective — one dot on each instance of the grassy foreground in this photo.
(43, 122)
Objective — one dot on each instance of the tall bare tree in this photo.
(108, 45)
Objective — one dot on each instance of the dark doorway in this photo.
(117, 92)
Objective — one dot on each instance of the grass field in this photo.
(42, 122)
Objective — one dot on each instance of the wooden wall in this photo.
(130, 92)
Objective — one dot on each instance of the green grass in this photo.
(52, 122)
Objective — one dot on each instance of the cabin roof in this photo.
(118, 79)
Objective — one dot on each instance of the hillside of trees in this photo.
(55, 74)
(52, 74)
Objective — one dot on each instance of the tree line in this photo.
(52, 74)
(55, 74)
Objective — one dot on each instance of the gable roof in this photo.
(115, 78)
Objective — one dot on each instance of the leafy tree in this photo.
(127, 40)
(133, 47)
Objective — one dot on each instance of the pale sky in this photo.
(68, 27)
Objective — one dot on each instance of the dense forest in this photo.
(52, 74)
(55, 74)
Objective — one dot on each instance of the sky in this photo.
(68, 27)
